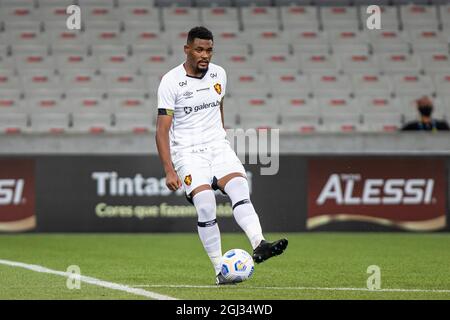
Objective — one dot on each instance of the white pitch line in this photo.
(90, 280)
(290, 288)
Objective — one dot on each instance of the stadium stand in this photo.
(302, 66)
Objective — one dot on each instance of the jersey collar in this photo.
(201, 77)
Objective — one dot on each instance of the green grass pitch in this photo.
(314, 266)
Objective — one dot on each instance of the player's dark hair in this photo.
(200, 33)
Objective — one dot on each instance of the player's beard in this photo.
(202, 69)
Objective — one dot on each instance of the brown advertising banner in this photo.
(17, 195)
(404, 193)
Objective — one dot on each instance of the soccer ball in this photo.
(237, 265)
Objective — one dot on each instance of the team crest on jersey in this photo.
(188, 180)
(218, 88)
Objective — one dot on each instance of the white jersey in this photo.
(195, 105)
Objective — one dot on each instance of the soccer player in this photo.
(195, 153)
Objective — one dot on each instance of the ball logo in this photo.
(187, 110)
(240, 266)
(188, 180)
(218, 88)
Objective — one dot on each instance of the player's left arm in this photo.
(221, 112)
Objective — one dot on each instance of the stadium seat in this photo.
(371, 84)
(258, 113)
(142, 17)
(132, 104)
(389, 40)
(9, 84)
(358, 63)
(299, 17)
(105, 39)
(309, 41)
(236, 62)
(83, 82)
(246, 3)
(399, 63)
(11, 104)
(154, 63)
(41, 83)
(31, 62)
(18, 17)
(380, 113)
(54, 16)
(419, 16)
(348, 41)
(169, 3)
(15, 3)
(423, 40)
(289, 83)
(91, 102)
(147, 41)
(412, 84)
(445, 16)
(213, 3)
(126, 83)
(339, 18)
(260, 17)
(268, 40)
(318, 63)
(93, 123)
(88, 3)
(299, 113)
(66, 41)
(6, 63)
(66, 62)
(50, 103)
(138, 123)
(176, 18)
(114, 62)
(339, 114)
(247, 84)
(331, 84)
(13, 123)
(269, 63)
(26, 41)
(54, 123)
(95, 15)
(220, 16)
(435, 62)
(442, 84)
(124, 3)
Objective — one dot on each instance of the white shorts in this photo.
(199, 165)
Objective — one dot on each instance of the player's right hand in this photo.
(173, 182)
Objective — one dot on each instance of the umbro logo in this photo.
(188, 94)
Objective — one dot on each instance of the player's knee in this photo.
(237, 189)
(205, 204)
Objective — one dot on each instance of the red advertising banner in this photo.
(17, 195)
(407, 193)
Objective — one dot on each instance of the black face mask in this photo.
(426, 110)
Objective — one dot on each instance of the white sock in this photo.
(245, 214)
(208, 230)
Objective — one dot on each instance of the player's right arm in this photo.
(166, 103)
(163, 124)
